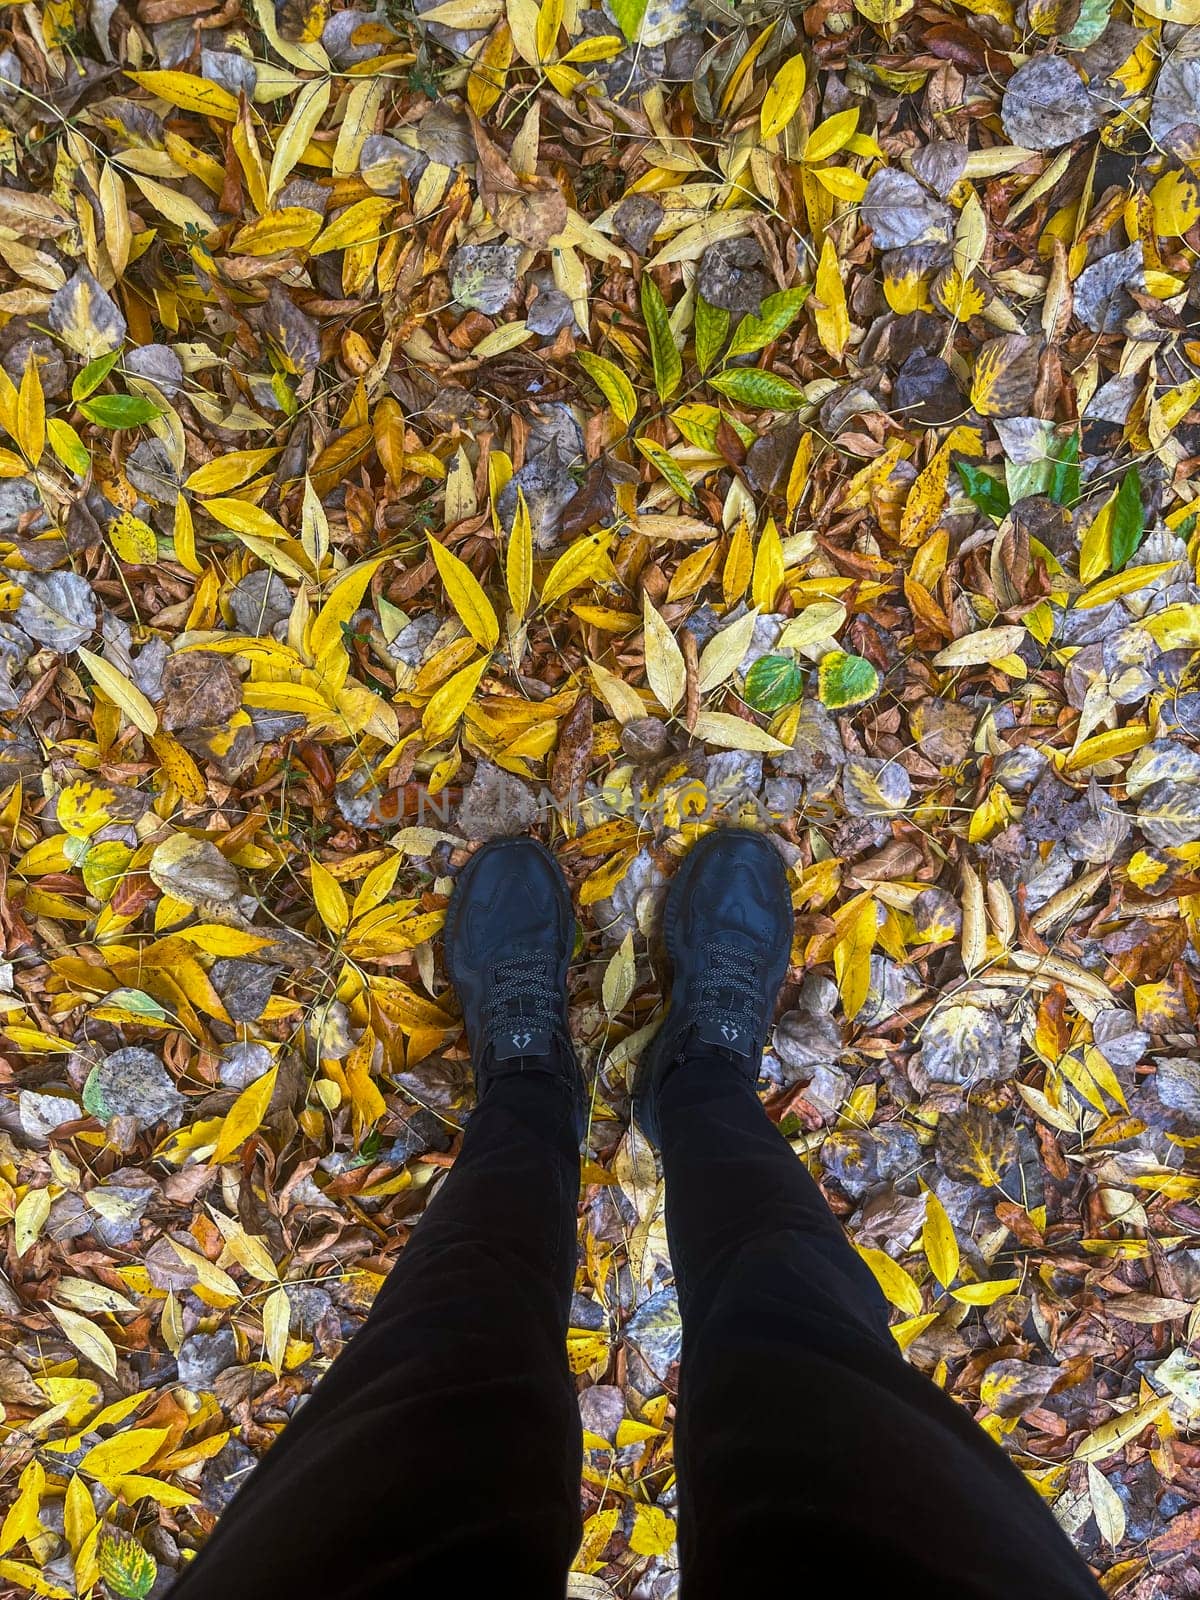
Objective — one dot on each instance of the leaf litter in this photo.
(421, 423)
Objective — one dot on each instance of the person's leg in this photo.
(444, 1445)
(804, 1443)
(803, 1439)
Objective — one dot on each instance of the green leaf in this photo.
(750, 386)
(668, 365)
(612, 384)
(772, 683)
(1129, 520)
(986, 490)
(119, 410)
(845, 680)
(712, 328)
(93, 375)
(779, 311)
(670, 470)
(125, 1567)
(629, 15)
(1063, 479)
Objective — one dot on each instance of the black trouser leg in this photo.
(804, 1443)
(443, 1449)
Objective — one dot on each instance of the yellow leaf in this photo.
(842, 182)
(225, 472)
(518, 565)
(938, 1241)
(852, 959)
(79, 1513)
(831, 135)
(985, 1294)
(666, 672)
(132, 1487)
(242, 516)
(612, 383)
(739, 564)
(723, 653)
(178, 767)
(728, 732)
(1176, 202)
(782, 99)
(133, 540)
(1095, 548)
(31, 413)
(340, 605)
(177, 208)
(581, 561)
(358, 224)
(247, 1249)
(619, 977)
(829, 302)
(90, 1341)
(30, 1218)
(893, 1280)
(190, 92)
(1117, 1432)
(244, 1116)
(329, 898)
(124, 1452)
(489, 69)
(926, 498)
(653, 1532)
(451, 700)
(768, 568)
(276, 231)
(550, 16)
(624, 703)
(277, 1316)
(473, 607)
(185, 537)
(121, 691)
(311, 104)
(21, 1521)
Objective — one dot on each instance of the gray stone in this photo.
(484, 276)
(57, 609)
(244, 986)
(40, 1114)
(224, 1475)
(260, 602)
(965, 1043)
(387, 164)
(1046, 104)
(495, 803)
(732, 275)
(802, 1041)
(655, 1332)
(231, 70)
(548, 489)
(202, 1356)
(900, 211)
(243, 1064)
(550, 313)
(637, 219)
(118, 1209)
(1102, 299)
(133, 1083)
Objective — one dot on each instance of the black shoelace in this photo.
(732, 987)
(524, 987)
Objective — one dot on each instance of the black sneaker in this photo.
(509, 936)
(728, 928)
